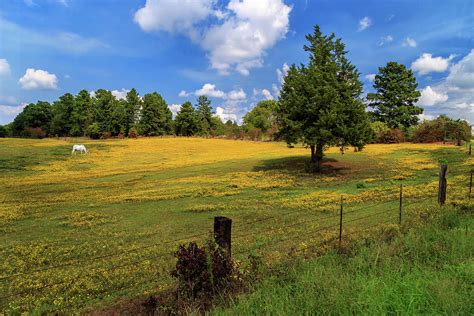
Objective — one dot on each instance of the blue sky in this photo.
(234, 51)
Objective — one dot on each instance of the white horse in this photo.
(80, 148)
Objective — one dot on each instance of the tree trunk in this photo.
(319, 155)
(313, 156)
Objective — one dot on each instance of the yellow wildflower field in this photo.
(82, 231)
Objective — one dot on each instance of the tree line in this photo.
(320, 105)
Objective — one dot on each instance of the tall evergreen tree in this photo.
(156, 117)
(320, 102)
(185, 122)
(132, 108)
(79, 114)
(204, 121)
(62, 109)
(103, 104)
(116, 120)
(396, 96)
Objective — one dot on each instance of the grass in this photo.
(427, 270)
(112, 218)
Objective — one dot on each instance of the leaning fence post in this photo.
(442, 184)
(340, 225)
(401, 204)
(223, 233)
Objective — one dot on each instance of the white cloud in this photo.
(237, 95)
(174, 108)
(38, 80)
(430, 97)
(8, 113)
(225, 115)
(426, 117)
(120, 94)
(235, 38)
(409, 42)
(370, 77)
(267, 95)
(426, 63)
(172, 15)
(4, 67)
(210, 90)
(8, 99)
(364, 23)
(385, 40)
(282, 73)
(184, 94)
(454, 95)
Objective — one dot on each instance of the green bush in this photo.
(93, 131)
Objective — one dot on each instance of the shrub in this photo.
(35, 132)
(202, 272)
(132, 133)
(93, 131)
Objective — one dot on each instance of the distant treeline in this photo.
(102, 115)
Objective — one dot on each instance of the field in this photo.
(80, 232)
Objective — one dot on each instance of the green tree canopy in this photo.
(262, 116)
(37, 115)
(204, 122)
(62, 109)
(394, 101)
(186, 122)
(132, 109)
(320, 102)
(156, 117)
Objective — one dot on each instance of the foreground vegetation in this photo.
(81, 232)
(423, 269)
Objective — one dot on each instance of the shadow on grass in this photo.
(330, 166)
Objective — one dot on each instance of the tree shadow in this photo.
(297, 164)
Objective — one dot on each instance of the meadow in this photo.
(79, 232)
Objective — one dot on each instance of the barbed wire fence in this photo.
(338, 223)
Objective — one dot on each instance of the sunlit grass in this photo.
(133, 198)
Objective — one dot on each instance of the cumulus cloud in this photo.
(210, 90)
(120, 94)
(8, 113)
(172, 15)
(281, 73)
(385, 40)
(454, 95)
(430, 97)
(236, 95)
(38, 80)
(235, 38)
(365, 23)
(426, 63)
(370, 77)
(267, 95)
(225, 115)
(4, 67)
(409, 42)
(174, 108)
(184, 94)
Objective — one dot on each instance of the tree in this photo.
(132, 108)
(320, 102)
(262, 116)
(396, 96)
(185, 122)
(37, 115)
(62, 115)
(204, 122)
(103, 104)
(116, 120)
(156, 117)
(80, 113)
(3, 131)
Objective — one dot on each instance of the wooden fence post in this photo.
(401, 203)
(223, 233)
(340, 226)
(442, 184)
(470, 145)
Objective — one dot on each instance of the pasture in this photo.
(79, 232)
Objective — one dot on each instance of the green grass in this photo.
(127, 194)
(428, 270)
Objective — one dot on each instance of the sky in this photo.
(234, 51)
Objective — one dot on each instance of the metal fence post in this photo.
(401, 205)
(340, 225)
